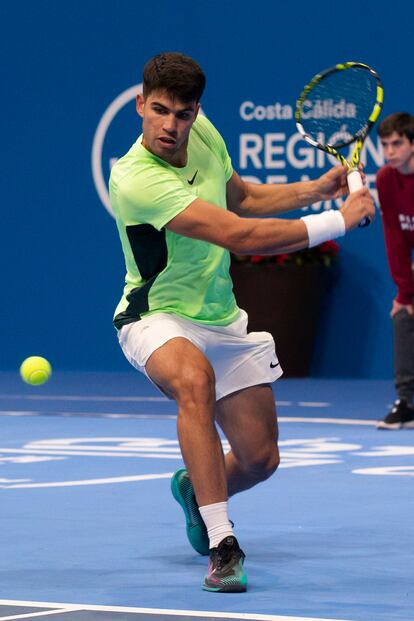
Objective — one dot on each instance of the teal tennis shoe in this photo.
(183, 492)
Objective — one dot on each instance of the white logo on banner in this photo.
(98, 141)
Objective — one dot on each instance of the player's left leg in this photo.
(248, 419)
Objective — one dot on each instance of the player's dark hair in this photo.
(175, 73)
(400, 122)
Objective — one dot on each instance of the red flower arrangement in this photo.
(324, 254)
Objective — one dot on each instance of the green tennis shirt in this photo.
(166, 272)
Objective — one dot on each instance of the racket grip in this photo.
(355, 183)
(354, 180)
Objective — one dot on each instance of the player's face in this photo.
(166, 124)
(399, 152)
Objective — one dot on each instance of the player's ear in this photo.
(197, 110)
(140, 104)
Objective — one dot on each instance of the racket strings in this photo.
(336, 109)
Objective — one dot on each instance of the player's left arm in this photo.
(253, 199)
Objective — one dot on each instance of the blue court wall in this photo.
(68, 73)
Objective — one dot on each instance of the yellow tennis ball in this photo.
(35, 370)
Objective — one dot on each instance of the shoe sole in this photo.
(226, 589)
(196, 532)
(236, 587)
(396, 426)
(390, 426)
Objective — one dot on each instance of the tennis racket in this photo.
(338, 108)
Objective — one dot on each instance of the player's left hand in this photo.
(333, 183)
(397, 307)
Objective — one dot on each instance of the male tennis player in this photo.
(395, 184)
(180, 208)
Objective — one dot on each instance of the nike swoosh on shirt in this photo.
(273, 366)
(191, 181)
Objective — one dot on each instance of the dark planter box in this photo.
(286, 301)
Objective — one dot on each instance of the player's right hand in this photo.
(358, 206)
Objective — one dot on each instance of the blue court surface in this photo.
(90, 531)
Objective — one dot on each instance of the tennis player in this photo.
(395, 184)
(180, 208)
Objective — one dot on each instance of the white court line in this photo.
(90, 414)
(45, 451)
(330, 421)
(305, 404)
(402, 471)
(282, 419)
(30, 615)
(165, 611)
(19, 413)
(81, 398)
(108, 480)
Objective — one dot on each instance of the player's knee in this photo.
(196, 385)
(265, 463)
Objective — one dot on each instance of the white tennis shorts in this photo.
(239, 359)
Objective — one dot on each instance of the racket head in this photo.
(339, 106)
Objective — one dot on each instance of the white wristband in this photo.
(324, 226)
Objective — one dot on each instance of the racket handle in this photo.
(354, 180)
(355, 183)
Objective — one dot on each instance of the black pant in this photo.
(403, 325)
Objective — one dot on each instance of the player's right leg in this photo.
(169, 350)
(185, 374)
(165, 347)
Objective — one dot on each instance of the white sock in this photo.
(217, 522)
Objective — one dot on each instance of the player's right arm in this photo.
(207, 222)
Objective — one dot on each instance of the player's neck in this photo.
(179, 160)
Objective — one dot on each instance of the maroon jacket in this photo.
(396, 197)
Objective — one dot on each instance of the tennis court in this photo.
(89, 529)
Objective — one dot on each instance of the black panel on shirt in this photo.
(149, 248)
